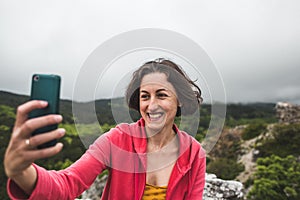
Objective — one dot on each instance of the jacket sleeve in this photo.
(64, 184)
(199, 183)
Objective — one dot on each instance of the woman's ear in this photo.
(178, 112)
(179, 104)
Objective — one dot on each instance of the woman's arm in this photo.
(64, 184)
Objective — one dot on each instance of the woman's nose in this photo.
(153, 104)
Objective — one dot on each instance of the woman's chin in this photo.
(154, 128)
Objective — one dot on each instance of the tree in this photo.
(276, 178)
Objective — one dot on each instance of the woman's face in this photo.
(158, 102)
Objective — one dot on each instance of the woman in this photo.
(148, 159)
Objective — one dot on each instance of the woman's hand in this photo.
(22, 149)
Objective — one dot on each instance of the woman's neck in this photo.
(157, 141)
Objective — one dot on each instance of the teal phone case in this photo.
(45, 87)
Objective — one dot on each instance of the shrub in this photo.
(253, 130)
(225, 168)
(285, 141)
(276, 178)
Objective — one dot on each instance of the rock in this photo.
(95, 191)
(218, 189)
(215, 189)
(287, 112)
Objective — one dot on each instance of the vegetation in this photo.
(7, 117)
(284, 141)
(223, 157)
(225, 168)
(278, 169)
(276, 178)
(241, 114)
(254, 129)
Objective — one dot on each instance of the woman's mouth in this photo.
(155, 116)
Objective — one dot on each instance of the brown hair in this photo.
(188, 93)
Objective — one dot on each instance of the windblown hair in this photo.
(188, 93)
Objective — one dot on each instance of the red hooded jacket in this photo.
(122, 151)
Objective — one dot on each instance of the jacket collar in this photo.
(186, 153)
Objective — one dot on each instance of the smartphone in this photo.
(45, 87)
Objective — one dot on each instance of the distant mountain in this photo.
(102, 108)
(239, 113)
(11, 99)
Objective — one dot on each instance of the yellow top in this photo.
(153, 192)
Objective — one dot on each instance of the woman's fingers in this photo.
(19, 160)
(24, 109)
(22, 152)
(32, 124)
(43, 153)
(39, 139)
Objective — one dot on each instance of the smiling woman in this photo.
(160, 91)
(151, 153)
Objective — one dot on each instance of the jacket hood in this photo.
(139, 137)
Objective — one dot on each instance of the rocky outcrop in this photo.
(215, 189)
(218, 189)
(287, 112)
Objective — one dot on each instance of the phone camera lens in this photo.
(36, 78)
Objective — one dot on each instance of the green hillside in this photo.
(222, 160)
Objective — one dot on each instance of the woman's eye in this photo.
(162, 95)
(144, 96)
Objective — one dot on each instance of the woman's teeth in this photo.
(155, 116)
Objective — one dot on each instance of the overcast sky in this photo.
(254, 44)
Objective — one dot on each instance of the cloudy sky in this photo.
(254, 44)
